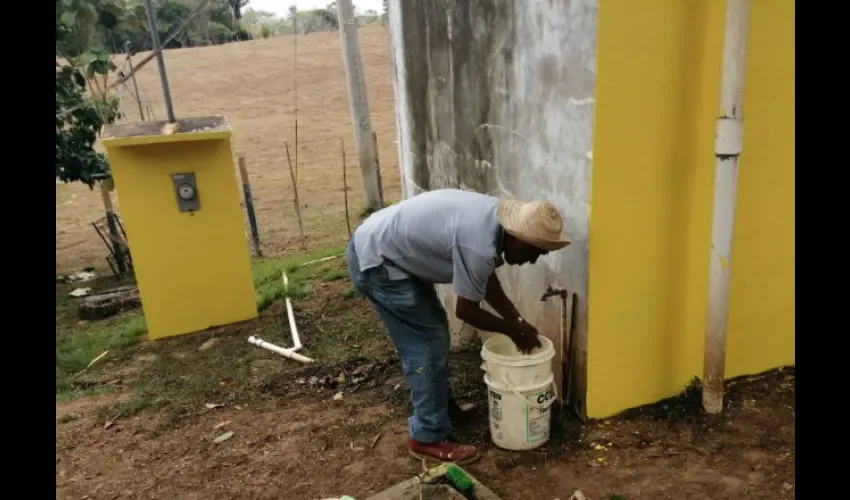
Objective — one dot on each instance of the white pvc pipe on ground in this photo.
(289, 353)
(728, 147)
(296, 340)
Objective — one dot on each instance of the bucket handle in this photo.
(545, 405)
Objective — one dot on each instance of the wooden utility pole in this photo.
(359, 104)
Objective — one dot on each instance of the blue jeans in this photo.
(417, 324)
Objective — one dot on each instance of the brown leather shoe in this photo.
(444, 451)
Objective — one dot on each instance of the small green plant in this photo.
(350, 293)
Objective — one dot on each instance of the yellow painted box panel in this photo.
(659, 66)
(193, 268)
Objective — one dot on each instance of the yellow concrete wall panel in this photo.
(658, 82)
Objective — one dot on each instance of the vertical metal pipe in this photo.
(160, 61)
(729, 138)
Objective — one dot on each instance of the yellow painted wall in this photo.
(657, 93)
(193, 269)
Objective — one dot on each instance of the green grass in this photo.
(77, 344)
(174, 373)
(335, 274)
(293, 263)
(69, 393)
(142, 400)
(268, 278)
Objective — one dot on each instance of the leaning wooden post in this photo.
(378, 167)
(128, 49)
(111, 226)
(345, 187)
(249, 206)
(295, 200)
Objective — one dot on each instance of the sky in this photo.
(281, 7)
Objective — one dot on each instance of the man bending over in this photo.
(446, 236)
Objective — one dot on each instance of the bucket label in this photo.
(537, 417)
(495, 408)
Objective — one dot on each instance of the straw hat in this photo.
(537, 223)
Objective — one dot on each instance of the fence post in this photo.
(249, 205)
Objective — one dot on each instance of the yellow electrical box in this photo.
(179, 201)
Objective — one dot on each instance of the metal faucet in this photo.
(552, 291)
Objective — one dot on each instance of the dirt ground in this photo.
(253, 84)
(151, 436)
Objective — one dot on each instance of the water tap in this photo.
(552, 291)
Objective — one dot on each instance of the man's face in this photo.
(518, 252)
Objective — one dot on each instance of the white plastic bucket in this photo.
(520, 417)
(508, 367)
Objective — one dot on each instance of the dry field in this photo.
(252, 84)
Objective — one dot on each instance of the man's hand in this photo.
(524, 336)
(510, 323)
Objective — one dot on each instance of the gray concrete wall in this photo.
(496, 96)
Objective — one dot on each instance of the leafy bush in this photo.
(78, 123)
(218, 33)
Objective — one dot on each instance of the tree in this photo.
(260, 22)
(169, 16)
(82, 27)
(369, 16)
(84, 24)
(236, 9)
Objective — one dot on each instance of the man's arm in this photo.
(499, 301)
(471, 311)
(475, 280)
